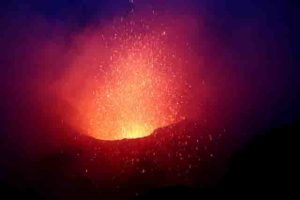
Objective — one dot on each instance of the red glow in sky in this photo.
(129, 78)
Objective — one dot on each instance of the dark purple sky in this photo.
(257, 42)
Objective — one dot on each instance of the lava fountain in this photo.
(128, 79)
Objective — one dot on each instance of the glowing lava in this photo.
(127, 79)
(137, 94)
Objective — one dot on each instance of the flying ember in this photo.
(127, 79)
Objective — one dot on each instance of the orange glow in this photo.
(127, 79)
(136, 96)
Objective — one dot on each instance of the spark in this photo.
(132, 79)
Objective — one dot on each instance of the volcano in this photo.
(185, 153)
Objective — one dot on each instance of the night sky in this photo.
(112, 99)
